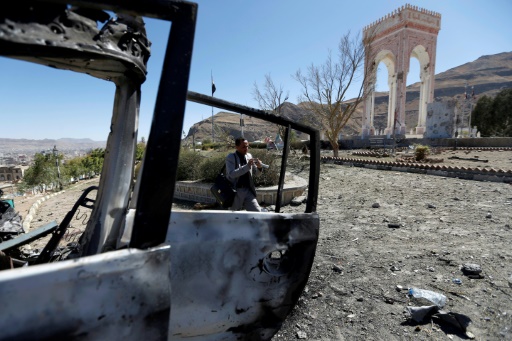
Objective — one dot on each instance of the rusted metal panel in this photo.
(119, 295)
(238, 275)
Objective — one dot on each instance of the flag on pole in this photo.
(213, 91)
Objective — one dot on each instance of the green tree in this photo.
(42, 172)
(139, 151)
(93, 162)
(493, 116)
(502, 110)
(74, 168)
(481, 116)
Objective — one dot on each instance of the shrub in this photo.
(211, 145)
(211, 166)
(299, 145)
(269, 176)
(188, 165)
(421, 152)
(193, 166)
(257, 145)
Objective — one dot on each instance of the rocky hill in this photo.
(487, 75)
(228, 124)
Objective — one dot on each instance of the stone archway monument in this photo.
(407, 32)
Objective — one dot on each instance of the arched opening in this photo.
(418, 96)
(382, 101)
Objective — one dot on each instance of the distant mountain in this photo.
(487, 75)
(63, 145)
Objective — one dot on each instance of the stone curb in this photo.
(33, 210)
(478, 174)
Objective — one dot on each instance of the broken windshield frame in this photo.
(260, 262)
(269, 117)
(154, 194)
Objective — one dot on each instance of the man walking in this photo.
(240, 167)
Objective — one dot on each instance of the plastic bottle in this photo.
(434, 297)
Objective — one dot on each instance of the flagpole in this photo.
(213, 90)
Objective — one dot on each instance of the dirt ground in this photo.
(358, 285)
(382, 232)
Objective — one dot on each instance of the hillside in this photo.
(488, 75)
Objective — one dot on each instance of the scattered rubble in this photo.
(368, 299)
(353, 294)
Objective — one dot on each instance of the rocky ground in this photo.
(382, 232)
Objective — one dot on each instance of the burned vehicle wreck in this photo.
(142, 270)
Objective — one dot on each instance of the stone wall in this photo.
(477, 174)
(200, 192)
(11, 173)
(440, 119)
(474, 142)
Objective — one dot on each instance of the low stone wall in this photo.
(200, 192)
(480, 142)
(478, 174)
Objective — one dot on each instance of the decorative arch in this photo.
(407, 32)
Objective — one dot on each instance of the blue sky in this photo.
(239, 41)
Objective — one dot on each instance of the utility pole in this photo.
(471, 109)
(56, 155)
(242, 123)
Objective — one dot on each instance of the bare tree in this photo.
(271, 98)
(324, 87)
(223, 135)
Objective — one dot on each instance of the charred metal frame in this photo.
(259, 262)
(264, 115)
(154, 199)
(48, 251)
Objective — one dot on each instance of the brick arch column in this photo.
(426, 85)
(407, 32)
